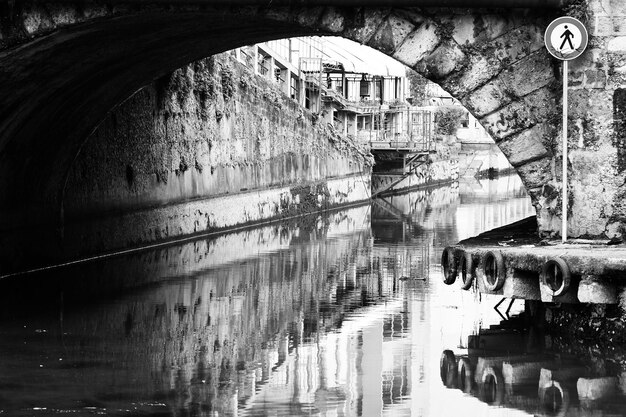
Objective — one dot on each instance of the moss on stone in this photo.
(578, 9)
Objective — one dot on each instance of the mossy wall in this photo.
(208, 129)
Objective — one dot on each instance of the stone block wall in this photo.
(208, 147)
(596, 138)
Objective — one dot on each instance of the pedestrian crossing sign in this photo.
(566, 38)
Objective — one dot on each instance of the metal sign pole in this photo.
(565, 38)
(564, 179)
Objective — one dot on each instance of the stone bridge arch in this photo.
(64, 67)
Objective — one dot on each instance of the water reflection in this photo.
(337, 315)
(513, 365)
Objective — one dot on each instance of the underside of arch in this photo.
(75, 66)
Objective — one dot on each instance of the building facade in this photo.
(363, 94)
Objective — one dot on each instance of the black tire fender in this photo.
(492, 386)
(555, 274)
(493, 270)
(448, 369)
(467, 270)
(465, 376)
(547, 395)
(449, 265)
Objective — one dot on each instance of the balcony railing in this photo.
(421, 145)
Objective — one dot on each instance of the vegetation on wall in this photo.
(417, 89)
(448, 119)
(578, 9)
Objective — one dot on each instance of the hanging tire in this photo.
(465, 376)
(494, 274)
(556, 275)
(492, 386)
(447, 369)
(449, 265)
(466, 270)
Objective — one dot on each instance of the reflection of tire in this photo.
(466, 269)
(449, 265)
(447, 369)
(465, 376)
(492, 386)
(556, 275)
(554, 399)
(492, 266)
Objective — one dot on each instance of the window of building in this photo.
(465, 120)
(339, 85)
(295, 87)
(364, 87)
(246, 55)
(377, 89)
(264, 63)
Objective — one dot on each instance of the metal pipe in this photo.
(564, 187)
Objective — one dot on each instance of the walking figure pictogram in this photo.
(568, 38)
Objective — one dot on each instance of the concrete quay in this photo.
(514, 263)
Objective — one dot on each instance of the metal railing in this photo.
(416, 135)
(420, 145)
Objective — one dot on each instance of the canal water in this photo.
(337, 315)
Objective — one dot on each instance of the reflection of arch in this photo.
(58, 83)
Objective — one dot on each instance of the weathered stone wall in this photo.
(595, 127)
(208, 147)
(520, 106)
(208, 129)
